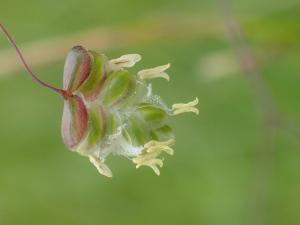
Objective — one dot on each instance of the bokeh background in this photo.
(237, 163)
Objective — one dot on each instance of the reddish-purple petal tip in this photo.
(74, 121)
(77, 68)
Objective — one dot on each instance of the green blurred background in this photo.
(228, 169)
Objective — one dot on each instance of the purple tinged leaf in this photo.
(74, 121)
(77, 68)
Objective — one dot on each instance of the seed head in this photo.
(112, 111)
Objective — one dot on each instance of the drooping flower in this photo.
(111, 111)
(108, 110)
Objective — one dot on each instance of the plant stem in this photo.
(26, 66)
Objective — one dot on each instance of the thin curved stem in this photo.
(26, 66)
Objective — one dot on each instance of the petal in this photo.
(77, 68)
(98, 74)
(74, 121)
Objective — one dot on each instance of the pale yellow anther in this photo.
(140, 159)
(155, 169)
(128, 60)
(159, 143)
(149, 162)
(101, 166)
(166, 149)
(155, 73)
(153, 164)
(152, 150)
(180, 105)
(185, 107)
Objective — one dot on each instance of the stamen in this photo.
(155, 73)
(153, 164)
(128, 60)
(152, 150)
(101, 166)
(166, 149)
(185, 107)
(161, 143)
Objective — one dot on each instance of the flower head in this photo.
(108, 110)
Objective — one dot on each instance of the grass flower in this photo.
(109, 110)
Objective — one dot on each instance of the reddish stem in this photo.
(26, 66)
